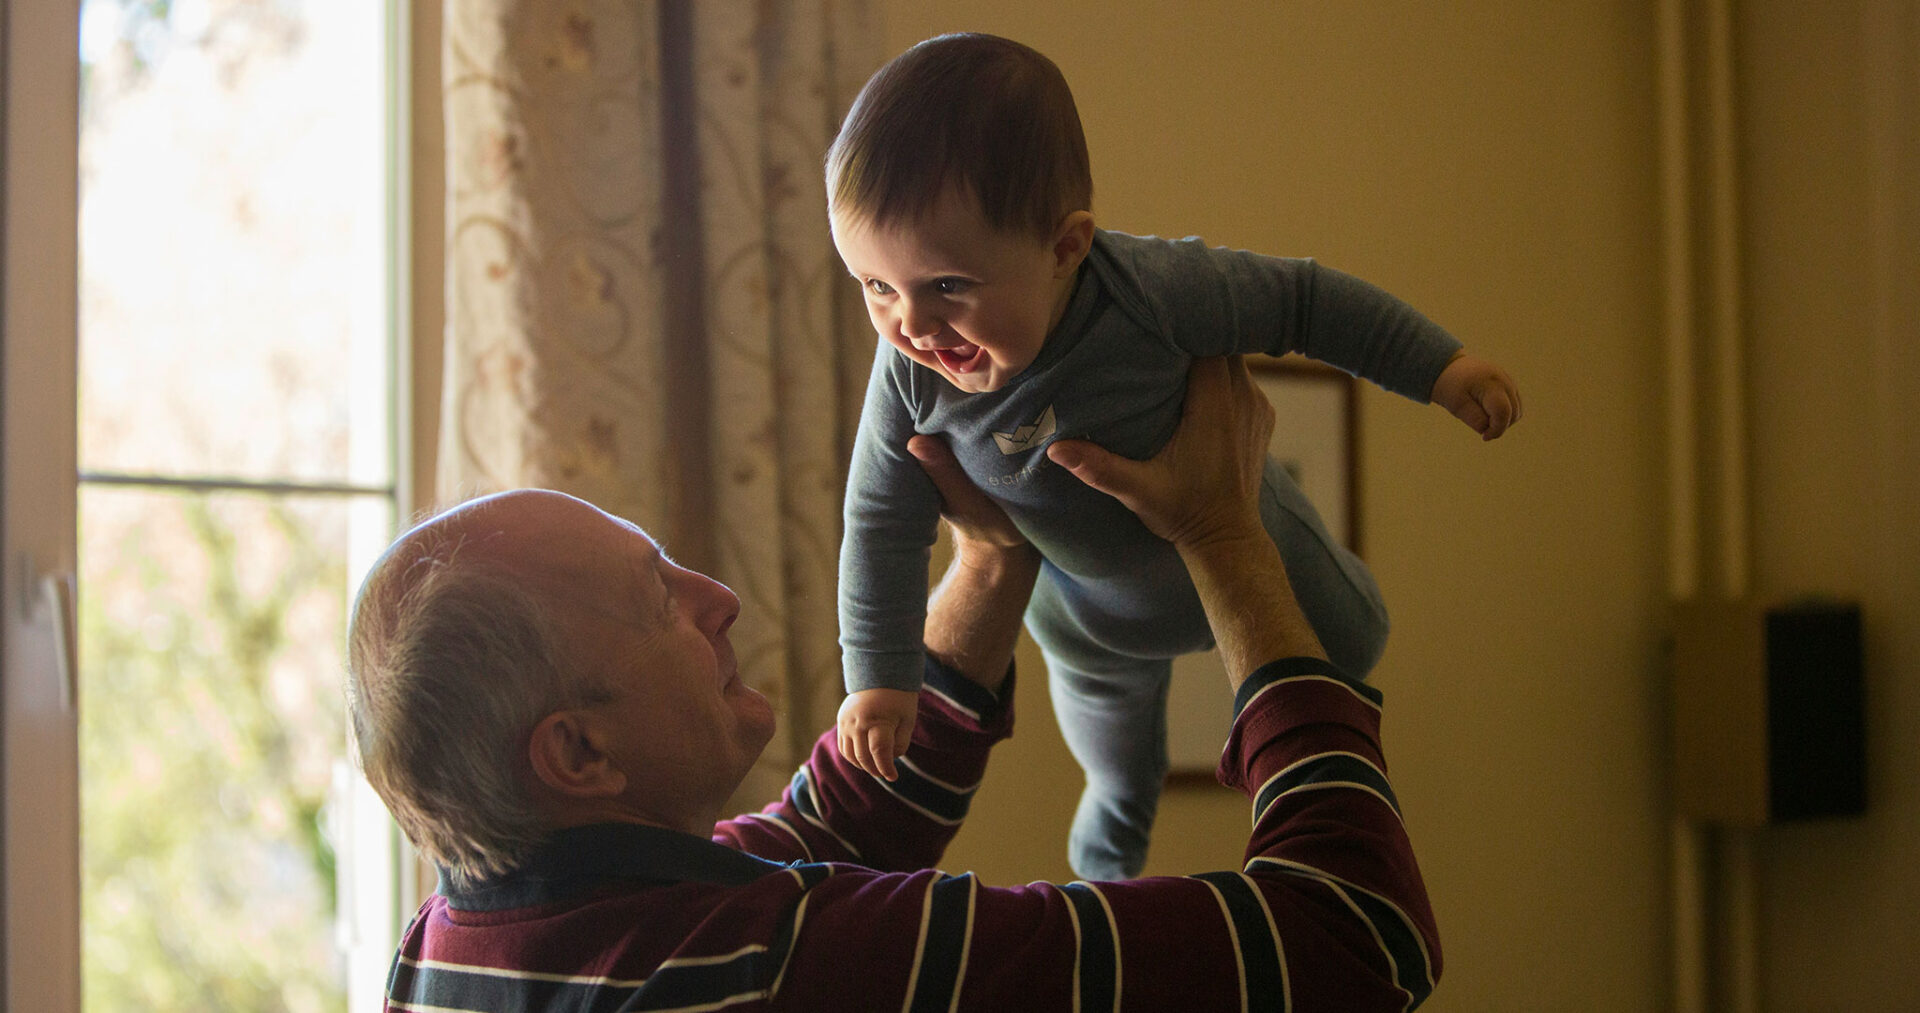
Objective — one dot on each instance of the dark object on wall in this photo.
(1768, 712)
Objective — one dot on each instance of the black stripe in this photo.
(807, 803)
(399, 966)
(467, 990)
(1259, 953)
(802, 791)
(812, 874)
(966, 692)
(946, 939)
(1286, 668)
(1325, 769)
(1399, 937)
(942, 802)
(700, 984)
(1402, 942)
(1099, 952)
(667, 988)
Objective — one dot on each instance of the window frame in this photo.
(39, 745)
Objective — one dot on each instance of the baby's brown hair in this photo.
(980, 112)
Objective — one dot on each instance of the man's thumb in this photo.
(1089, 463)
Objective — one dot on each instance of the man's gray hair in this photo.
(452, 660)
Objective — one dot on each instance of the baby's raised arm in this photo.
(972, 622)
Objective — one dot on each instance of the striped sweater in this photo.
(826, 900)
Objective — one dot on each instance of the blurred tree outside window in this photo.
(237, 412)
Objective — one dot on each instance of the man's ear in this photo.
(1071, 241)
(567, 755)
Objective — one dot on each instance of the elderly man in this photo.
(550, 707)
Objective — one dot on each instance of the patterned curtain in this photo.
(644, 305)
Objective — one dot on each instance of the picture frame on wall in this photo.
(1316, 437)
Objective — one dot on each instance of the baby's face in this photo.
(971, 303)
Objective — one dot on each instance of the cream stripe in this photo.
(955, 704)
(1297, 764)
(1303, 761)
(785, 827)
(718, 1004)
(816, 821)
(1264, 690)
(1317, 785)
(955, 788)
(573, 979)
(915, 806)
(708, 961)
(793, 941)
(498, 972)
(813, 799)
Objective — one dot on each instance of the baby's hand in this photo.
(876, 725)
(1478, 393)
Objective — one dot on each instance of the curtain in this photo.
(644, 307)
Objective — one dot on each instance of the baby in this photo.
(960, 193)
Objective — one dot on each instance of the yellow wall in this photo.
(1830, 104)
(1496, 164)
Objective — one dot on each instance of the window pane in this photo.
(211, 731)
(234, 294)
(232, 238)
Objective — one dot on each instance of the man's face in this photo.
(955, 295)
(651, 634)
(683, 726)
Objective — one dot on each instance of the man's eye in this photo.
(878, 287)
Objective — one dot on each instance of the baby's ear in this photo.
(1071, 241)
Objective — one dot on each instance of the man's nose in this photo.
(719, 606)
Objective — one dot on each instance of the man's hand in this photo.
(973, 617)
(1200, 493)
(1478, 393)
(876, 726)
(975, 520)
(1204, 482)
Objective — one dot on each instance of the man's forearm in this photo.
(973, 617)
(1249, 602)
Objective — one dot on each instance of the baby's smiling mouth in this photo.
(962, 358)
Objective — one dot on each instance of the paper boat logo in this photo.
(1028, 436)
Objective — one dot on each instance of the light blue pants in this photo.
(1110, 650)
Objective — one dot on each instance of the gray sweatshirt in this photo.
(1114, 371)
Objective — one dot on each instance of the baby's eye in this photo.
(950, 286)
(878, 287)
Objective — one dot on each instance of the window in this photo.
(239, 250)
